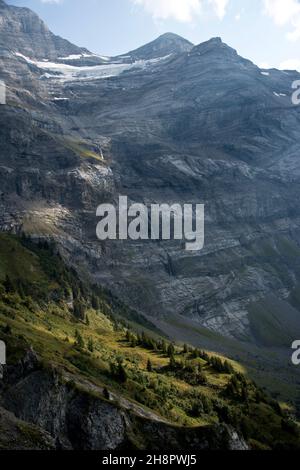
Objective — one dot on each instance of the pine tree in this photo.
(8, 285)
(244, 394)
(173, 363)
(122, 374)
(164, 347)
(7, 330)
(95, 302)
(79, 309)
(91, 345)
(79, 340)
(228, 367)
(171, 350)
(21, 291)
(149, 366)
(144, 339)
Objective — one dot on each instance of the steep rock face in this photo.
(205, 126)
(77, 417)
(19, 435)
(201, 126)
(23, 31)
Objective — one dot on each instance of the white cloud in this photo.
(180, 10)
(285, 13)
(184, 11)
(220, 7)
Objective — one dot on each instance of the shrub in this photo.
(79, 343)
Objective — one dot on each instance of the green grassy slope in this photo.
(77, 328)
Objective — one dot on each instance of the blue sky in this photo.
(265, 31)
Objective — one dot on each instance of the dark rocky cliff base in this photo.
(80, 420)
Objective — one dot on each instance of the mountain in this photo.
(201, 125)
(23, 31)
(167, 44)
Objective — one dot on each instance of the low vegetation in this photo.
(82, 329)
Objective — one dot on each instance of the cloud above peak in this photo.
(285, 13)
(184, 11)
(220, 7)
(179, 10)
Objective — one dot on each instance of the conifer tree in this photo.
(79, 340)
(171, 350)
(8, 285)
(91, 345)
(149, 366)
(121, 372)
(172, 363)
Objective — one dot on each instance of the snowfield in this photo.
(65, 72)
(83, 56)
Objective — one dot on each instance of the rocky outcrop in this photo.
(16, 434)
(78, 417)
(24, 32)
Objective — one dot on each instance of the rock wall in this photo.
(79, 419)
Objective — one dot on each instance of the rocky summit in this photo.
(168, 123)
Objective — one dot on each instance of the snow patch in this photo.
(279, 94)
(84, 56)
(71, 57)
(66, 72)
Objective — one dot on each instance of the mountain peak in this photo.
(169, 36)
(216, 40)
(214, 45)
(166, 44)
(24, 32)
